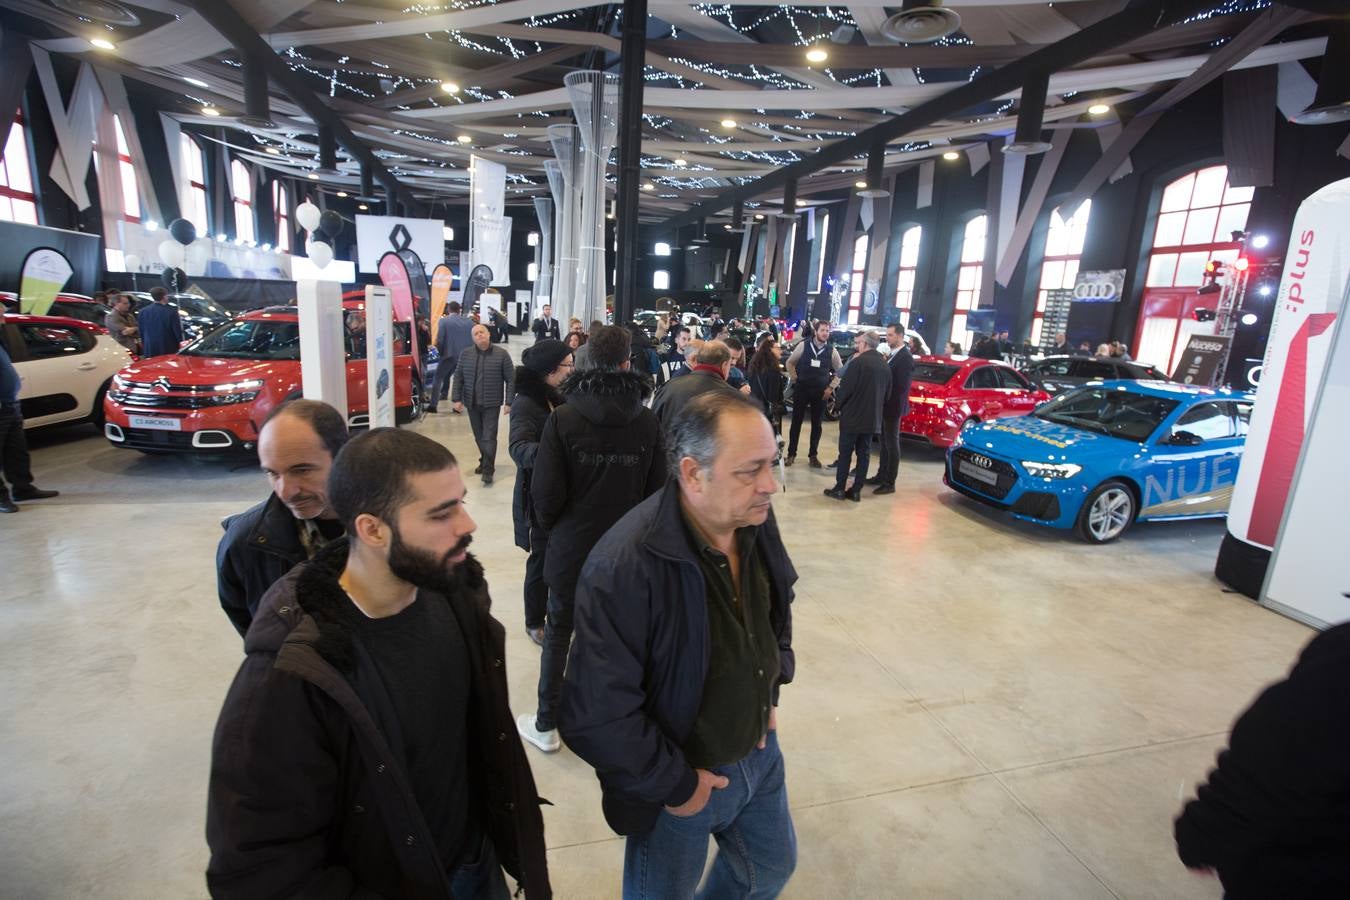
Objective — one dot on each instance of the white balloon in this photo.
(131, 263)
(307, 214)
(319, 253)
(198, 256)
(172, 254)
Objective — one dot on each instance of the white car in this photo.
(66, 366)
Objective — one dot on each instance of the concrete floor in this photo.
(982, 708)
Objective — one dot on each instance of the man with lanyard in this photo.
(545, 326)
(811, 369)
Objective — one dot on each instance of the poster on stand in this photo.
(380, 356)
(45, 271)
(1199, 362)
(323, 352)
(394, 275)
(442, 279)
(377, 235)
(1311, 293)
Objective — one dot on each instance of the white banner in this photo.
(323, 355)
(1311, 288)
(489, 229)
(378, 235)
(380, 356)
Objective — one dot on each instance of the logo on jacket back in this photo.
(589, 458)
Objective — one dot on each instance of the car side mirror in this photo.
(1182, 438)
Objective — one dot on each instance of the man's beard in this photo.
(425, 569)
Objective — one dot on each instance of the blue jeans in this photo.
(749, 818)
(481, 878)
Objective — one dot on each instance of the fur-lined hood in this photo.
(606, 398)
(531, 385)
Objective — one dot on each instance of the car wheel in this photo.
(1106, 513)
(413, 411)
(96, 414)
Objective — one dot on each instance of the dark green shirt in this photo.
(743, 655)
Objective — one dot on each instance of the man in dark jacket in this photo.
(546, 365)
(683, 638)
(1274, 818)
(599, 455)
(364, 748)
(483, 383)
(160, 327)
(901, 366)
(454, 335)
(713, 364)
(545, 327)
(861, 397)
(296, 447)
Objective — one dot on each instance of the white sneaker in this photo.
(545, 740)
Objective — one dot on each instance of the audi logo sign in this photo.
(983, 462)
(1103, 286)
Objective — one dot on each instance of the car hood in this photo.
(1029, 437)
(204, 369)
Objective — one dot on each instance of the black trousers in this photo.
(14, 449)
(850, 443)
(889, 467)
(536, 589)
(803, 398)
(557, 641)
(483, 420)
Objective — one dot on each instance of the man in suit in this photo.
(1062, 344)
(861, 394)
(545, 326)
(901, 366)
(454, 334)
(161, 328)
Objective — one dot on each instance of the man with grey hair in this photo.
(860, 397)
(683, 637)
(709, 372)
(484, 383)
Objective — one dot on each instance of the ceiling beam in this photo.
(1137, 19)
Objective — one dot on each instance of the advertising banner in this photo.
(1057, 306)
(1309, 570)
(323, 352)
(378, 235)
(442, 278)
(45, 271)
(1199, 362)
(380, 356)
(394, 275)
(1310, 296)
(1103, 286)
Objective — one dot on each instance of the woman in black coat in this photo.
(767, 381)
(546, 364)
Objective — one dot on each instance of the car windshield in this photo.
(1111, 411)
(934, 373)
(85, 312)
(200, 306)
(250, 339)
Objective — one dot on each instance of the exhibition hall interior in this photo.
(664, 449)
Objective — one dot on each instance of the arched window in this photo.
(822, 238)
(1059, 267)
(969, 277)
(1196, 221)
(17, 201)
(909, 266)
(241, 182)
(661, 280)
(281, 203)
(125, 175)
(855, 278)
(194, 188)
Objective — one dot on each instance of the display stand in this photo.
(380, 356)
(323, 355)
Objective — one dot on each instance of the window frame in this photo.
(862, 243)
(245, 225)
(1065, 263)
(1198, 251)
(908, 266)
(197, 211)
(10, 195)
(971, 273)
(281, 198)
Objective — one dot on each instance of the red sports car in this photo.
(213, 395)
(950, 392)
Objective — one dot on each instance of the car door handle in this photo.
(86, 367)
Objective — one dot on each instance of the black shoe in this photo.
(7, 505)
(536, 634)
(877, 480)
(32, 493)
(789, 459)
(836, 493)
(884, 489)
(430, 410)
(854, 494)
(478, 470)
(487, 479)
(815, 462)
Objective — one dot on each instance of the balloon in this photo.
(172, 254)
(174, 279)
(183, 231)
(330, 223)
(308, 215)
(131, 263)
(199, 256)
(319, 253)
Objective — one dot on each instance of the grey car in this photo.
(1056, 374)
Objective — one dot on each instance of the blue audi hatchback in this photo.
(1105, 455)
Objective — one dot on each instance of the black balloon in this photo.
(183, 231)
(175, 280)
(330, 223)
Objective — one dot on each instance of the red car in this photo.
(950, 392)
(213, 395)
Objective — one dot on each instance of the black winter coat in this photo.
(862, 393)
(533, 402)
(260, 546)
(1274, 818)
(676, 393)
(901, 366)
(600, 454)
(640, 648)
(308, 795)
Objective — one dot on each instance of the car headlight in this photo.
(237, 386)
(1051, 470)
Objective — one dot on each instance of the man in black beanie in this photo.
(546, 364)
